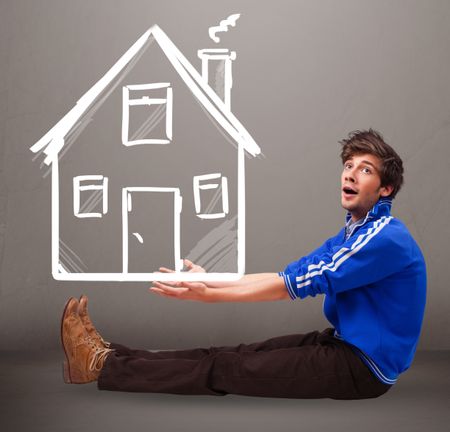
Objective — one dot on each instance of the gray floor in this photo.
(33, 397)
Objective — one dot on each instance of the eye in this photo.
(348, 166)
(366, 170)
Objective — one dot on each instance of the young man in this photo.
(372, 274)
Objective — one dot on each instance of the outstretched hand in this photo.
(189, 265)
(196, 291)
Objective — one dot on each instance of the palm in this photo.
(181, 290)
(189, 265)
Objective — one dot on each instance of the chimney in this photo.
(216, 71)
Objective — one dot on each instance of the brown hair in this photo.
(372, 142)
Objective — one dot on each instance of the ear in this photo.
(386, 190)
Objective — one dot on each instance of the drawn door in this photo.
(151, 229)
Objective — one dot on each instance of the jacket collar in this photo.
(381, 208)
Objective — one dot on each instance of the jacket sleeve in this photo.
(294, 265)
(368, 258)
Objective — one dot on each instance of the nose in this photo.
(349, 176)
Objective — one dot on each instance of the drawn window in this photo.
(147, 114)
(90, 196)
(211, 196)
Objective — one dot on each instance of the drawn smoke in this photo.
(223, 27)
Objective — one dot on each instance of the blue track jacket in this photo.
(374, 281)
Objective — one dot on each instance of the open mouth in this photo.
(349, 191)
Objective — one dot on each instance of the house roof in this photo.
(53, 141)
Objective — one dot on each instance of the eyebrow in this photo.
(368, 163)
(364, 162)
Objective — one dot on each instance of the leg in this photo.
(318, 366)
(329, 368)
(289, 341)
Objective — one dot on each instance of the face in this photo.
(361, 185)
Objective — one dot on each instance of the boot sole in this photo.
(66, 373)
(66, 367)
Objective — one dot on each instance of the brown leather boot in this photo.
(84, 359)
(86, 320)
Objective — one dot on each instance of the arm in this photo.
(244, 280)
(266, 289)
(372, 256)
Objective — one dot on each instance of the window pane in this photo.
(147, 114)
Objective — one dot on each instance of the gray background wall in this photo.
(307, 73)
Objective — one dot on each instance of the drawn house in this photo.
(148, 168)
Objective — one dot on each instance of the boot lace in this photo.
(98, 356)
(107, 344)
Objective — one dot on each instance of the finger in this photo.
(160, 292)
(194, 286)
(156, 291)
(166, 270)
(171, 290)
(188, 263)
(171, 283)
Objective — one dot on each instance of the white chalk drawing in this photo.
(139, 237)
(128, 103)
(211, 193)
(199, 186)
(127, 207)
(69, 261)
(223, 26)
(102, 186)
(216, 68)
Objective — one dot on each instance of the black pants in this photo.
(312, 365)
